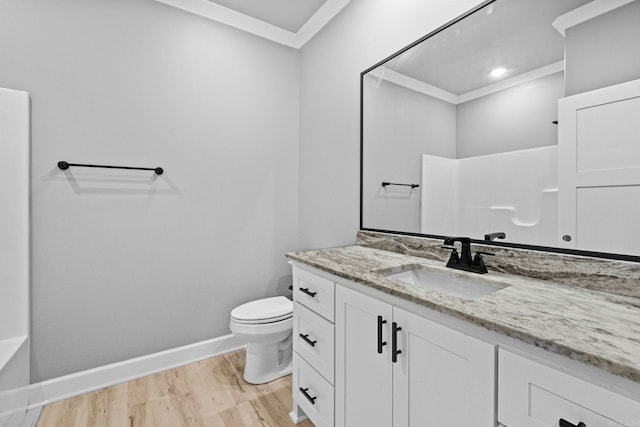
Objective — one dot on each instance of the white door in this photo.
(363, 382)
(443, 378)
(599, 170)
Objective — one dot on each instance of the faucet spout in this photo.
(465, 252)
(493, 236)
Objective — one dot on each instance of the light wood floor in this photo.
(209, 393)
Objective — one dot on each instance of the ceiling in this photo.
(288, 22)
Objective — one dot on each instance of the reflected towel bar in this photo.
(64, 166)
(384, 184)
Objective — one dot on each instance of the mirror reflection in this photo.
(460, 133)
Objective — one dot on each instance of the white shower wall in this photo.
(14, 255)
(518, 198)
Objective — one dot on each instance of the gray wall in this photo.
(517, 118)
(125, 265)
(365, 32)
(604, 51)
(400, 125)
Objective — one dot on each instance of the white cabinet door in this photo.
(535, 395)
(599, 169)
(363, 380)
(442, 377)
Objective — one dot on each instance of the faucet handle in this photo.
(485, 253)
(454, 258)
(478, 262)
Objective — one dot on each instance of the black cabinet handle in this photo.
(311, 399)
(305, 337)
(565, 423)
(308, 292)
(380, 342)
(394, 342)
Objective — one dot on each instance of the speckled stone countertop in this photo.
(597, 328)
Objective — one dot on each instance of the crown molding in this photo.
(585, 13)
(224, 15)
(325, 13)
(392, 76)
(547, 70)
(383, 73)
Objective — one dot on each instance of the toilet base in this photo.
(263, 378)
(267, 362)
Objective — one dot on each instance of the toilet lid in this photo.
(266, 310)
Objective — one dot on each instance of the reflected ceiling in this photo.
(464, 60)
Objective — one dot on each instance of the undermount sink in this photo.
(454, 283)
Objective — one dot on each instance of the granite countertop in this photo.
(591, 326)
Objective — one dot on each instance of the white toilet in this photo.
(266, 325)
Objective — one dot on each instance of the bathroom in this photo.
(257, 130)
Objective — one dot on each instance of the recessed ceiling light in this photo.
(498, 72)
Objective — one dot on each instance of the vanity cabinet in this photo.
(394, 368)
(365, 358)
(534, 395)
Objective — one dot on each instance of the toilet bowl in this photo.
(266, 325)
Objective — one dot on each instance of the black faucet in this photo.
(464, 261)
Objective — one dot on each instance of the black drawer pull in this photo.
(305, 337)
(308, 292)
(311, 399)
(394, 342)
(565, 423)
(380, 342)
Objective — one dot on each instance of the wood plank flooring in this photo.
(209, 393)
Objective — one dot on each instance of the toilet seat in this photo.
(267, 310)
(262, 321)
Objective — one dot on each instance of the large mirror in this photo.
(460, 134)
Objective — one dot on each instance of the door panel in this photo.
(363, 376)
(599, 169)
(443, 377)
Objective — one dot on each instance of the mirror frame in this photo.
(606, 255)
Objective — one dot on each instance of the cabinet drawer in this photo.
(531, 394)
(313, 291)
(318, 401)
(313, 340)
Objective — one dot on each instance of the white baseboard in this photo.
(13, 405)
(65, 387)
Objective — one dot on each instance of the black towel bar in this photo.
(384, 184)
(64, 166)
